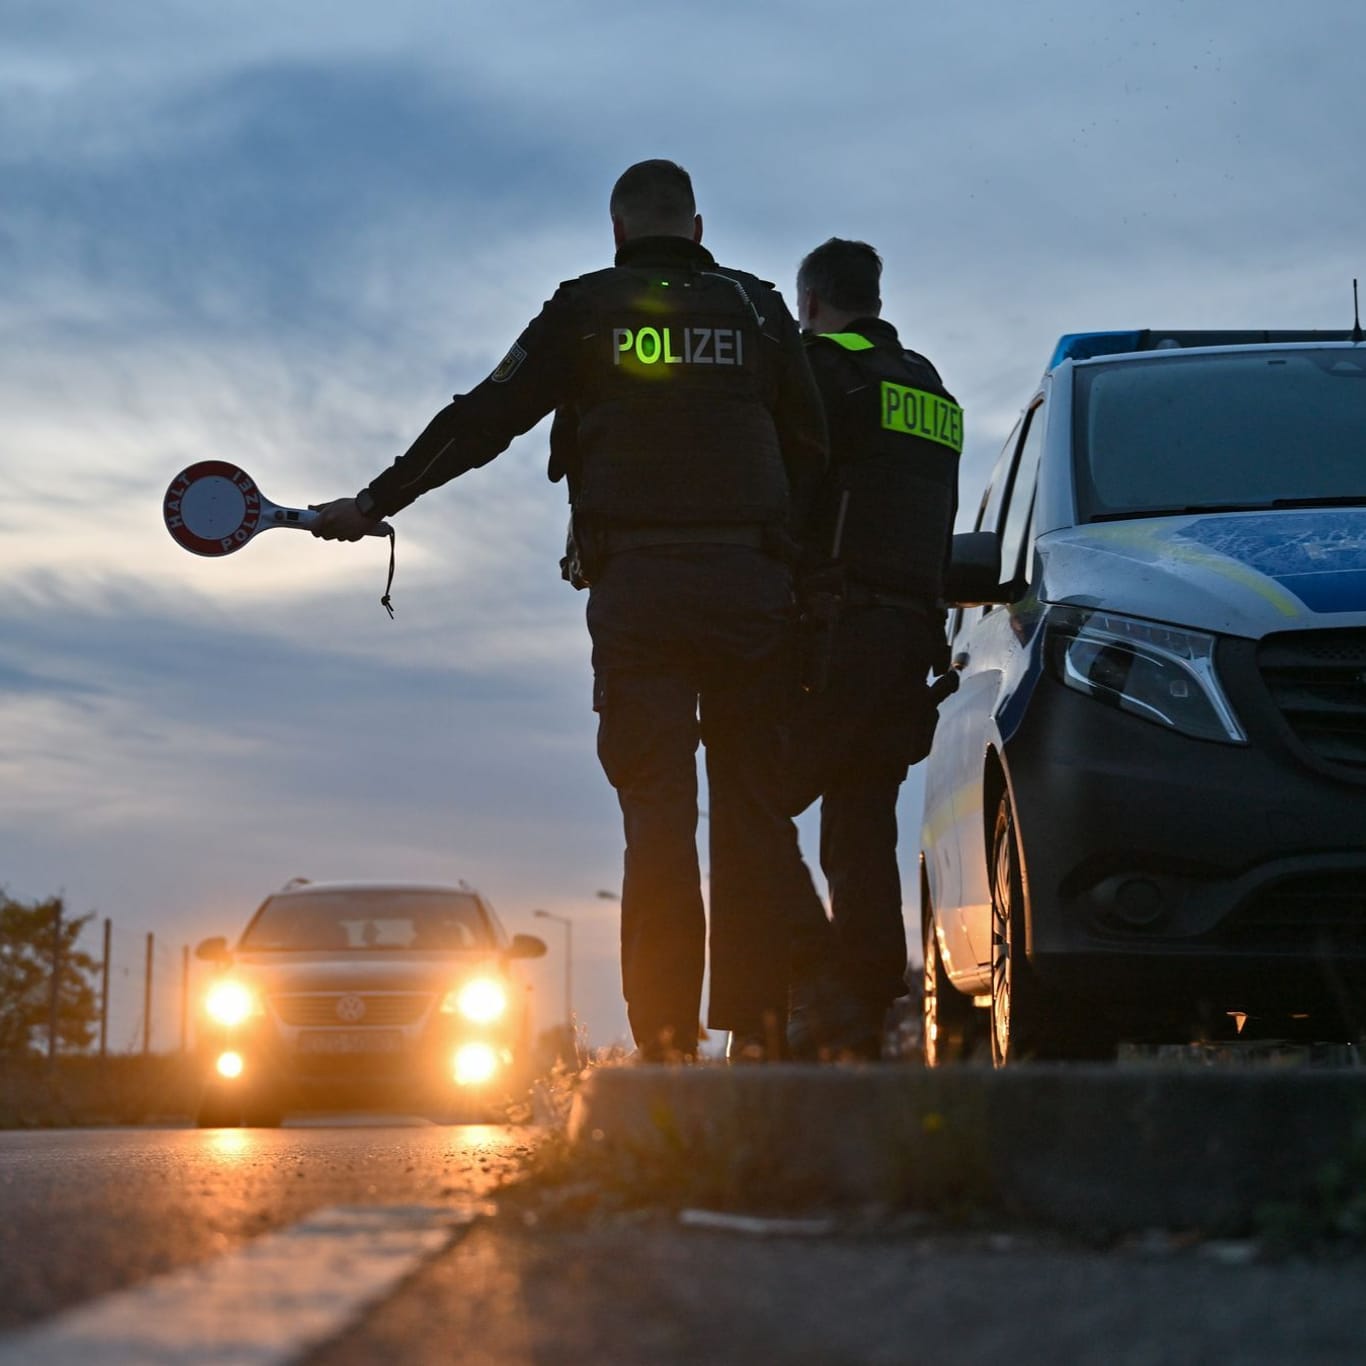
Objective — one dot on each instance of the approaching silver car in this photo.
(1145, 806)
(345, 994)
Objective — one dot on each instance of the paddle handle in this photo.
(303, 519)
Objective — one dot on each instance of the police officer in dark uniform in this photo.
(876, 551)
(692, 437)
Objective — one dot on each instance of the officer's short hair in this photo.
(844, 274)
(654, 198)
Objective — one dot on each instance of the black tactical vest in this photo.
(673, 412)
(887, 507)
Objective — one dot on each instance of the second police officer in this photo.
(691, 434)
(876, 552)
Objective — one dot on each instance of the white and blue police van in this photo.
(1145, 806)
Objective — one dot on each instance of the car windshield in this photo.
(1253, 429)
(363, 919)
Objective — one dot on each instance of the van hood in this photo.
(1232, 573)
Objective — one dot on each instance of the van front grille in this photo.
(1313, 911)
(1318, 681)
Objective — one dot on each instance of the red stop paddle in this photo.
(213, 508)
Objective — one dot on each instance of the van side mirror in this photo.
(526, 946)
(213, 950)
(974, 574)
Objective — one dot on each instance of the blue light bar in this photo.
(1085, 345)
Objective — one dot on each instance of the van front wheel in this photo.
(1026, 1021)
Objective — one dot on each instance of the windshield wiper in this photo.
(1340, 500)
(1345, 500)
(1131, 513)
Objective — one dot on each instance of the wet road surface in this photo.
(83, 1212)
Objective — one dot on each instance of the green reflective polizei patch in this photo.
(916, 413)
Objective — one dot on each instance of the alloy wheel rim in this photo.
(1001, 967)
(930, 1000)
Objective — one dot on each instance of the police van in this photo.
(1145, 806)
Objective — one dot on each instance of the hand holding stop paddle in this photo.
(342, 520)
(214, 508)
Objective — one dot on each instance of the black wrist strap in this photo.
(389, 583)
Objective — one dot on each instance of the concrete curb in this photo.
(1098, 1148)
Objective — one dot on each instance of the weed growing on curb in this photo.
(1331, 1213)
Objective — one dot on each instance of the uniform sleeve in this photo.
(953, 492)
(534, 377)
(832, 380)
(800, 420)
(918, 359)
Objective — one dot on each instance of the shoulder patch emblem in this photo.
(509, 365)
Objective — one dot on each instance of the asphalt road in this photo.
(84, 1212)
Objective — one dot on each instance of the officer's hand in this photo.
(941, 660)
(341, 520)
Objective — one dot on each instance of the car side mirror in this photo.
(974, 574)
(213, 950)
(526, 946)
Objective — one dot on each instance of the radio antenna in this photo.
(1357, 334)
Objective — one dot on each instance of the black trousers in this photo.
(852, 744)
(693, 643)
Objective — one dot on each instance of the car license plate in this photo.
(350, 1041)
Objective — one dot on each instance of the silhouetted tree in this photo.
(27, 954)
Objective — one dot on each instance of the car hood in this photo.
(361, 971)
(1232, 573)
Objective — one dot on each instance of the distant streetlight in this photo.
(568, 964)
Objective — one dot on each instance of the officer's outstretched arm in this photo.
(533, 378)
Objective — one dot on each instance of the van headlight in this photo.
(481, 1001)
(231, 1003)
(1160, 673)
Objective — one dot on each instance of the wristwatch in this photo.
(366, 505)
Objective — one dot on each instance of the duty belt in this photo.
(615, 539)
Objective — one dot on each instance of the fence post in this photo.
(104, 989)
(147, 997)
(55, 997)
(184, 998)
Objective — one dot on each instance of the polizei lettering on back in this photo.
(917, 413)
(649, 346)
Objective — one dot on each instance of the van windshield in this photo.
(362, 919)
(1251, 429)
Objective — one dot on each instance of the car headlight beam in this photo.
(231, 1003)
(474, 1064)
(1164, 674)
(481, 1001)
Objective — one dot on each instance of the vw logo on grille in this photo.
(350, 1009)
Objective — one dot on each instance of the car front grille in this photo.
(338, 1009)
(1318, 680)
(1323, 911)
